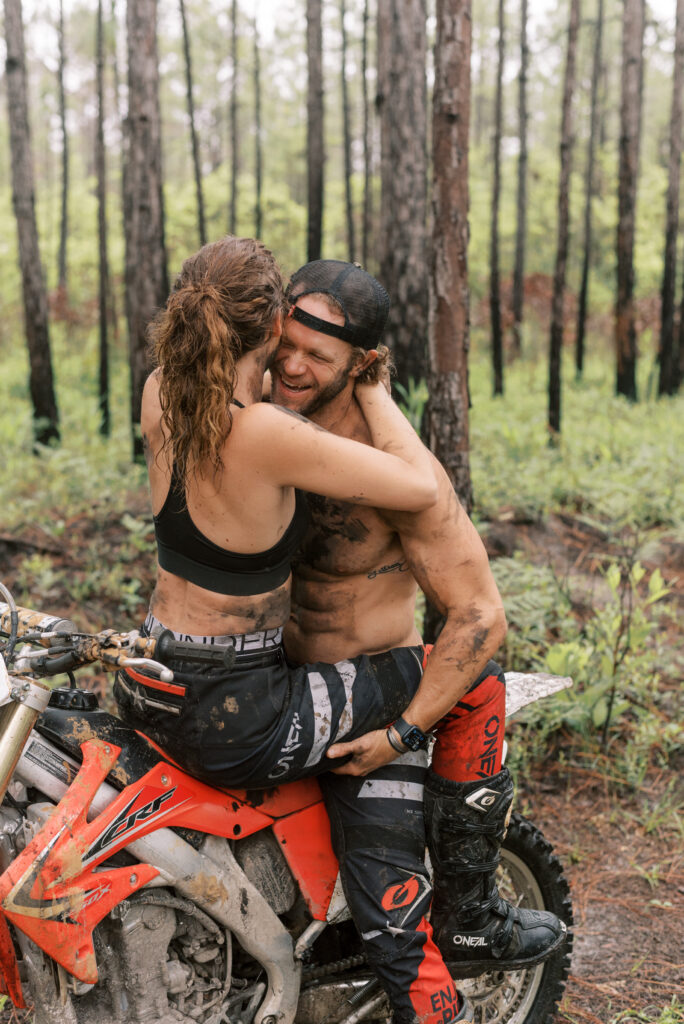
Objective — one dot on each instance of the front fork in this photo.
(24, 701)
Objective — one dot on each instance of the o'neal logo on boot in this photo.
(483, 800)
(471, 941)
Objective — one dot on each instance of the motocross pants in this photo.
(263, 723)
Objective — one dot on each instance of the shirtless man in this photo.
(355, 589)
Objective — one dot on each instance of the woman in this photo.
(224, 469)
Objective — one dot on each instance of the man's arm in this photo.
(450, 564)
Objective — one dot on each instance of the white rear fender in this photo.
(523, 688)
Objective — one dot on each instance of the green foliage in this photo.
(617, 463)
(618, 661)
(412, 400)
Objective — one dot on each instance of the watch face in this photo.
(414, 738)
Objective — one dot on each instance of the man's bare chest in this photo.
(347, 540)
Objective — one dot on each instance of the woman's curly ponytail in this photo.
(223, 305)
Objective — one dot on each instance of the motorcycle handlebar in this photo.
(34, 622)
(113, 650)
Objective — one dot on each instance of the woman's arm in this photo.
(390, 431)
(290, 450)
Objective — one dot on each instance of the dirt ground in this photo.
(623, 858)
(627, 889)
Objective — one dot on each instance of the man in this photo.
(354, 592)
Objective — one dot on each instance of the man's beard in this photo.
(331, 390)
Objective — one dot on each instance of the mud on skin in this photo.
(330, 520)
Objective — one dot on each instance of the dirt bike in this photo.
(132, 892)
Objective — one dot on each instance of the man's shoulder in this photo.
(446, 516)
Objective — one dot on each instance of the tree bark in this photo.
(557, 301)
(196, 162)
(667, 378)
(449, 323)
(315, 145)
(100, 172)
(479, 98)
(630, 130)
(346, 124)
(41, 385)
(402, 101)
(367, 143)
(146, 275)
(494, 283)
(234, 145)
(64, 219)
(589, 191)
(114, 57)
(521, 193)
(258, 155)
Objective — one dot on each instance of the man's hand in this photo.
(370, 751)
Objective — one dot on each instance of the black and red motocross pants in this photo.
(264, 723)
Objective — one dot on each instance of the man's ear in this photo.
(368, 360)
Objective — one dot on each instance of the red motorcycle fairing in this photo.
(55, 894)
(10, 982)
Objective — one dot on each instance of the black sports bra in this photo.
(183, 550)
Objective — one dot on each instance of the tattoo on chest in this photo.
(394, 567)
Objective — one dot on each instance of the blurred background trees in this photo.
(307, 122)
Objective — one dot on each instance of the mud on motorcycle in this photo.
(132, 892)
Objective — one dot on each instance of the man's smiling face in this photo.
(310, 369)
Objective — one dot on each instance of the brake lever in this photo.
(153, 667)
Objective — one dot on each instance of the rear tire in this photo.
(530, 875)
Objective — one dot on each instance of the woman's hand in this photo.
(369, 751)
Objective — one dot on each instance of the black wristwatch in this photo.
(411, 736)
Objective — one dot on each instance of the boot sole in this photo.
(471, 968)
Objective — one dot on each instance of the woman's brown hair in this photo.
(223, 304)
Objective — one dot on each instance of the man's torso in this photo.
(353, 592)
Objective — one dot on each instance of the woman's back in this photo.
(225, 539)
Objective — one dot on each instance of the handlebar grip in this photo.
(34, 622)
(168, 647)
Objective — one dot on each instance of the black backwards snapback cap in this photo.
(364, 302)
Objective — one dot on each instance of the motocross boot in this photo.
(475, 929)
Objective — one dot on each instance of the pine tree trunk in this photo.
(367, 143)
(114, 57)
(521, 194)
(630, 125)
(346, 124)
(403, 229)
(258, 154)
(557, 301)
(196, 162)
(667, 383)
(494, 283)
(41, 386)
(234, 150)
(447, 410)
(64, 220)
(479, 98)
(315, 146)
(589, 191)
(146, 275)
(100, 172)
